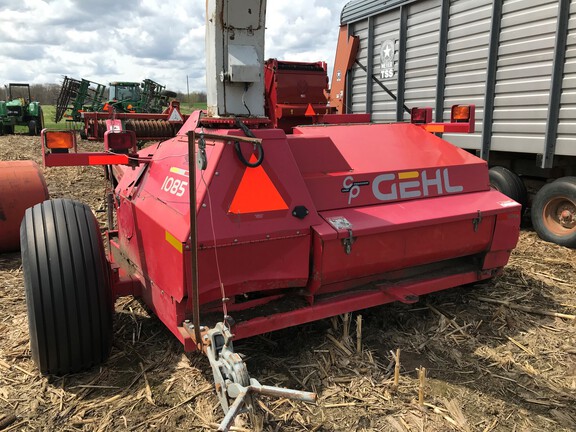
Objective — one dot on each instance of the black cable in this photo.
(244, 99)
(257, 146)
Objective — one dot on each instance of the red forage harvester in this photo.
(235, 228)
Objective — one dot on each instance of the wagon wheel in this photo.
(507, 182)
(68, 292)
(554, 212)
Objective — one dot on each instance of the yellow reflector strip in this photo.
(408, 175)
(174, 242)
(180, 171)
(435, 128)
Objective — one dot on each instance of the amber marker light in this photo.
(59, 140)
(421, 115)
(460, 113)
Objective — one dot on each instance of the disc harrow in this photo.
(146, 126)
(151, 128)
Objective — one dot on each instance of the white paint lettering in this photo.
(436, 181)
(392, 195)
(450, 188)
(174, 186)
(406, 193)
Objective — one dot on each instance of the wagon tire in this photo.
(68, 293)
(554, 212)
(507, 182)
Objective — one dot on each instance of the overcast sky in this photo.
(109, 40)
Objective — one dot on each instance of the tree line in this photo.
(47, 94)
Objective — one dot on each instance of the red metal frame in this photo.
(269, 256)
(346, 51)
(60, 158)
(171, 114)
(297, 94)
(351, 302)
(453, 126)
(337, 218)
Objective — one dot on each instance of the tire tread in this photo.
(67, 290)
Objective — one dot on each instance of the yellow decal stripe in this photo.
(408, 175)
(180, 171)
(174, 242)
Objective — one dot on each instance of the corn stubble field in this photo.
(500, 356)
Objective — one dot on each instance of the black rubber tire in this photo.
(68, 292)
(169, 93)
(507, 182)
(32, 128)
(550, 200)
(40, 120)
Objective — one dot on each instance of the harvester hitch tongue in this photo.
(231, 378)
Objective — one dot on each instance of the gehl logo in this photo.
(404, 185)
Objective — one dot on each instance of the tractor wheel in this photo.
(9, 130)
(169, 93)
(32, 128)
(68, 294)
(36, 125)
(554, 212)
(507, 182)
(40, 120)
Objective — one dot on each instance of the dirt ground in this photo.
(500, 356)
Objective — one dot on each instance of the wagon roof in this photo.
(356, 10)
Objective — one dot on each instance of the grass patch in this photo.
(49, 114)
(187, 108)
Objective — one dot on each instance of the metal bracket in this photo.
(201, 160)
(348, 242)
(231, 378)
(476, 221)
(340, 223)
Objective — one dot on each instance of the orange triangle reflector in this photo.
(256, 193)
(310, 111)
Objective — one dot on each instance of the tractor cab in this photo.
(20, 110)
(19, 91)
(145, 97)
(125, 95)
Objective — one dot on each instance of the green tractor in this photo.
(20, 110)
(145, 97)
(77, 96)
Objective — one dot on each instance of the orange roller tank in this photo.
(21, 186)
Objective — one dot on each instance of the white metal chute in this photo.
(235, 57)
